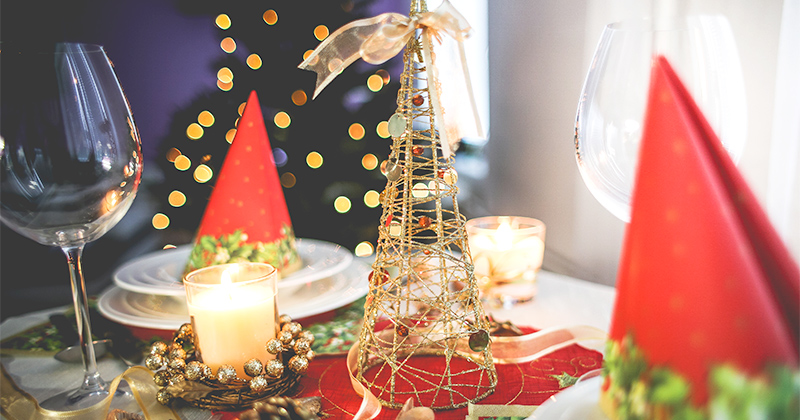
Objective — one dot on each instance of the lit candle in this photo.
(233, 313)
(507, 253)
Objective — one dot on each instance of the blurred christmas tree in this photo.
(327, 151)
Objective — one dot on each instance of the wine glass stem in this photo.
(92, 382)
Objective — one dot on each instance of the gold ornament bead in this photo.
(226, 374)
(301, 346)
(174, 346)
(308, 336)
(163, 397)
(286, 337)
(292, 327)
(259, 384)
(274, 346)
(310, 355)
(159, 347)
(186, 328)
(284, 319)
(161, 378)
(274, 368)
(176, 379)
(155, 361)
(177, 354)
(177, 364)
(194, 371)
(207, 372)
(298, 364)
(253, 367)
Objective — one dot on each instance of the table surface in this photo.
(561, 301)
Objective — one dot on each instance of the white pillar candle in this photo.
(233, 313)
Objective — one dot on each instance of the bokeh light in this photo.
(182, 163)
(241, 107)
(356, 131)
(254, 61)
(224, 86)
(270, 17)
(169, 246)
(230, 135)
(364, 249)
(342, 204)
(176, 198)
(206, 119)
(172, 154)
(282, 119)
(223, 21)
(203, 174)
(228, 45)
(321, 32)
(225, 75)
(299, 97)
(369, 161)
(280, 157)
(314, 160)
(372, 199)
(160, 221)
(194, 131)
(383, 129)
(384, 75)
(374, 83)
(307, 53)
(288, 180)
(420, 190)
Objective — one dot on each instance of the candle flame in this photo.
(226, 280)
(503, 237)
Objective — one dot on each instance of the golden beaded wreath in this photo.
(182, 377)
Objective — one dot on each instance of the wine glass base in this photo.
(80, 398)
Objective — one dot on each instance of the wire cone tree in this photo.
(425, 335)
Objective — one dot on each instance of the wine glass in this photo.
(70, 166)
(611, 109)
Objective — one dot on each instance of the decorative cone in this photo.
(423, 297)
(246, 218)
(705, 283)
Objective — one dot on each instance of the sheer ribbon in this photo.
(382, 37)
(505, 350)
(19, 405)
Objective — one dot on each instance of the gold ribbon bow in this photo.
(380, 38)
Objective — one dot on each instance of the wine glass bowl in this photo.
(612, 105)
(70, 166)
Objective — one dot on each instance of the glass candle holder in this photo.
(507, 252)
(234, 313)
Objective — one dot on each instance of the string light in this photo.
(206, 119)
(254, 61)
(356, 131)
(230, 135)
(182, 163)
(321, 32)
(194, 131)
(384, 75)
(203, 173)
(288, 180)
(342, 204)
(364, 249)
(224, 86)
(172, 154)
(176, 199)
(160, 221)
(307, 53)
(299, 97)
(223, 21)
(228, 45)
(372, 199)
(270, 17)
(282, 119)
(383, 129)
(225, 75)
(369, 161)
(375, 82)
(314, 160)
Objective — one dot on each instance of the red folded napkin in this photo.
(704, 279)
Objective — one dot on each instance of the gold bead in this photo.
(274, 368)
(177, 364)
(226, 374)
(186, 328)
(155, 361)
(253, 367)
(259, 384)
(177, 354)
(159, 347)
(284, 319)
(298, 364)
(176, 379)
(310, 355)
(194, 371)
(161, 378)
(301, 346)
(308, 336)
(286, 337)
(293, 328)
(163, 397)
(274, 346)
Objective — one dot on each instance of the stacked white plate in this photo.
(148, 291)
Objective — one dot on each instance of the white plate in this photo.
(169, 312)
(160, 272)
(578, 402)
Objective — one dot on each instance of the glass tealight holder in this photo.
(507, 252)
(234, 313)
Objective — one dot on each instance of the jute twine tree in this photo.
(425, 335)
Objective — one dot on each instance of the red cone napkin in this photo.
(704, 279)
(246, 218)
